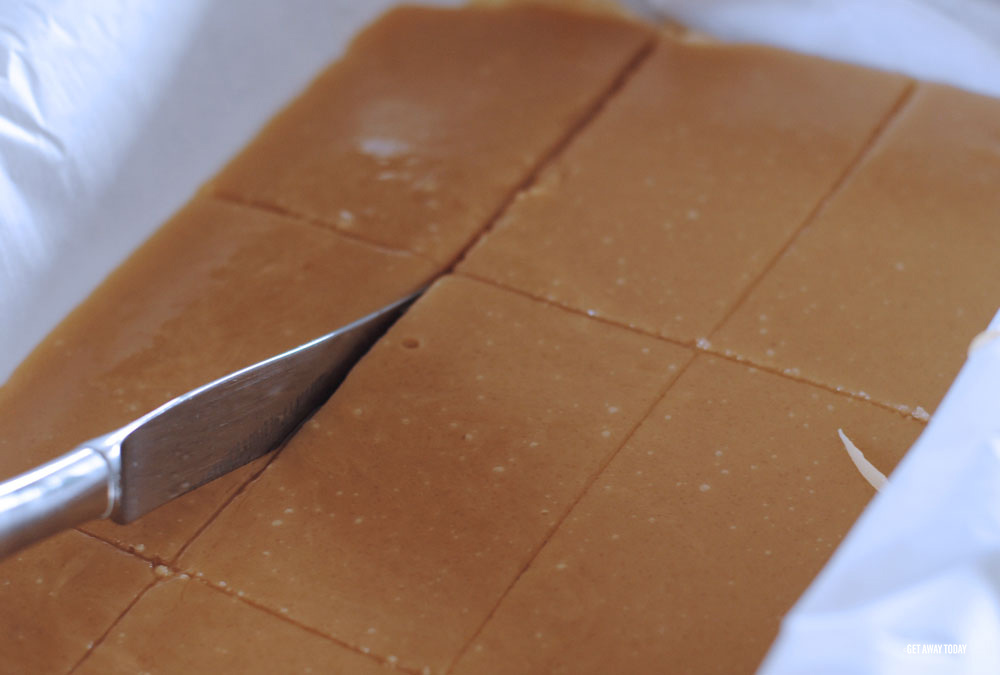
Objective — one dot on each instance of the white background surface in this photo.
(113, 112)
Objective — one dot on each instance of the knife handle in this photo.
(55, 496)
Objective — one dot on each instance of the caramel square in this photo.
(881, 295)
(679, 194)
(430, 121)
(702, 532)
(59, 597)
(182, 626)
(398, 516)
(219, 287)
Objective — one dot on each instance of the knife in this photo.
(187, 441)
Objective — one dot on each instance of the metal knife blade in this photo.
(188, 441)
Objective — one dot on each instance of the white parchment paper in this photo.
(113, 112)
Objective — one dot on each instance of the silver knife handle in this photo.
(69, 490)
